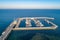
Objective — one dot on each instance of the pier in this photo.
(18, 22)
(28, 23)
(15, 25)
(7, 31)
(38, 23)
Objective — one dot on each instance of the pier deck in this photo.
(7, 31)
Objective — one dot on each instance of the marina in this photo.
(15, 25)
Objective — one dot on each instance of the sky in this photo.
(29, 4)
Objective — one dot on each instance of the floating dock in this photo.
(15, 25)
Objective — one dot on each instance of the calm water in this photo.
(8, 15)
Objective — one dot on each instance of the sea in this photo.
(8, 15)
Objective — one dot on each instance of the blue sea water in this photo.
(8, 15)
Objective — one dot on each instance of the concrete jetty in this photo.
(7, 31)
